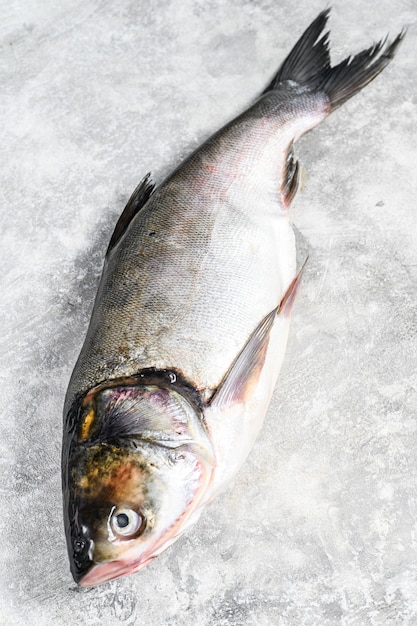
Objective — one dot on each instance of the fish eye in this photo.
(126, 522)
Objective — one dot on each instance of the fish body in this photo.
(190, 323)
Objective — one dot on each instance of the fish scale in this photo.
(190, 323)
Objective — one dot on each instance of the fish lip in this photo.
(111, 570)
(101, 573)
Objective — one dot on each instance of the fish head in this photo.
(127, 499)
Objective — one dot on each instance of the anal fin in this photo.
(291, 178)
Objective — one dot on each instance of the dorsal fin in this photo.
(137, 200)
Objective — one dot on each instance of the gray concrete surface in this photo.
(320, 526)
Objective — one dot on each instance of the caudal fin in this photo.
(308, 64)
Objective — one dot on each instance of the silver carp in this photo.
(190, 323)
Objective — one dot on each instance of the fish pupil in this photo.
(122, 520)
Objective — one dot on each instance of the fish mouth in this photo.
(111, 570)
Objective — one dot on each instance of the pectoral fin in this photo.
(244, 373)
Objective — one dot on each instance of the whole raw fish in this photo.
(190, 323)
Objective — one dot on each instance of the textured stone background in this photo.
(320, 526)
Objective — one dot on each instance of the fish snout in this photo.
(82, 551)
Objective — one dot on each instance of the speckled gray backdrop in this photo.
(320, 526)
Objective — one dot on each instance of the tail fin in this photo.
(308, 64)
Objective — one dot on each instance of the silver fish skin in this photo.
(190, 323)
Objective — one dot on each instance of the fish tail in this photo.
(308, 64)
